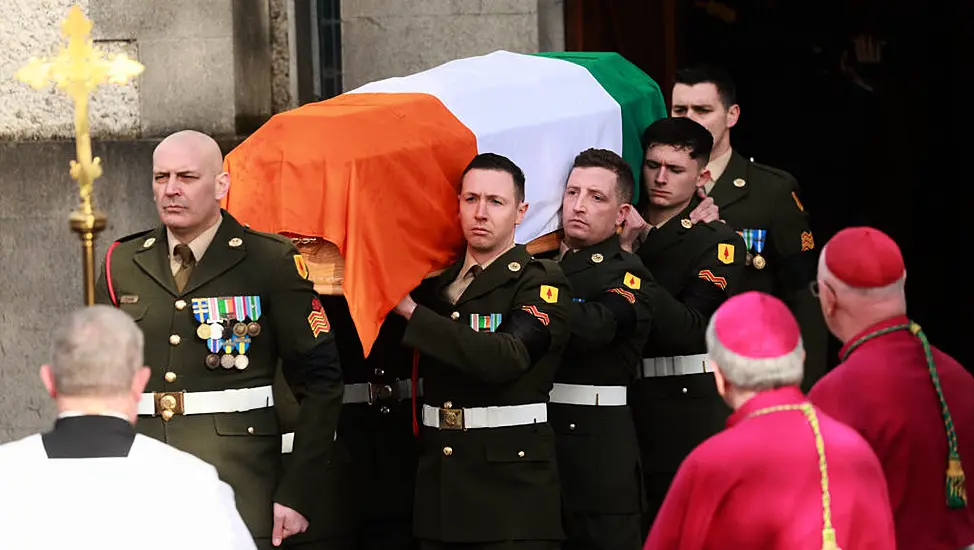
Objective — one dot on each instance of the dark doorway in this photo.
(868, 137)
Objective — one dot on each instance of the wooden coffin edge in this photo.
(326, 267)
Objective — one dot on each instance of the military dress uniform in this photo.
(488, 473)
(675, 403)
(761, 203)
(598, 454)
(213, 348)
(368, 502)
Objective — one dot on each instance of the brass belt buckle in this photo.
(168, 404)
(450, 418)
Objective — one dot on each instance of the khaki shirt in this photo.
(198, 245)
(455, 289)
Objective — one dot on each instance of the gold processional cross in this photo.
(78, 69)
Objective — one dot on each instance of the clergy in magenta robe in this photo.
(911, 402)
(782, 475)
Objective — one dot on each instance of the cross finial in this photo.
(78, 69)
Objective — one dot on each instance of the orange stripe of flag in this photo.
(375, 174)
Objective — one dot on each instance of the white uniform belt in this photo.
(678, 365)
(599, 396)
(484, 417)
(370, 392)
(207, 402)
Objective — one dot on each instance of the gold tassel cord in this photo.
(828, 532)
(955, 481)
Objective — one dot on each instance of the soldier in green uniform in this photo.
(491, 331)
(762, 204)
(221, 305)
(598, 454)
(696, 267)
(368, 502)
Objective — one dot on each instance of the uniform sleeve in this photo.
(311, 368)
(796, 268)
(615, 312)
(536, 325)
(682, 320)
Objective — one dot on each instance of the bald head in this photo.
(203, 147)
(188, 183)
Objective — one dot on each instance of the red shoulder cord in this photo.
(108, 273)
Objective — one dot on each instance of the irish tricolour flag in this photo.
(375, 171)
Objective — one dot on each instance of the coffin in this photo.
(365, 184)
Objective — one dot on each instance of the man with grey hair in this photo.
(93, 466)
(782, 475)
(913, 403)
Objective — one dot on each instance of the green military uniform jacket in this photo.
(245, 447)
(696, 268)
(610, 319)
(753, 196)
(490, 484)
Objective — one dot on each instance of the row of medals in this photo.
(215, 331)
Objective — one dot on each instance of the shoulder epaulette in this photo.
(269, 236)
(134, 236)
(777, 172)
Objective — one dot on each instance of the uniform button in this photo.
(250, 430)
(455, 315)
(571, 427)
(447, 451)
(175, 339)
(384, 409)
(685, 390)
(448, 405)
(520, 454)
(380, 372)
(170, 377)
(180, 305)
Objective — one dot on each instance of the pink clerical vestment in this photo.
(758, 486)
(884, 391)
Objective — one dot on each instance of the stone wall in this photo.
(384, 38)
(40, 258)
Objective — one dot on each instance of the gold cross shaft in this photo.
(78, 69)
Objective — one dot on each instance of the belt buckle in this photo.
(451, 419)
(168, 404)
(383, 392)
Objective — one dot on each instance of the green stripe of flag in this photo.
(636, 93)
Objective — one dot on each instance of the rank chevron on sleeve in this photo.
(540, 315)
(708, 275)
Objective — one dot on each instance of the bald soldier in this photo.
(221, 305)
(913, 403)
(782, 476)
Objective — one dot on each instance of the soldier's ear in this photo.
(522, 209)
(733, 114)
(623, 214)
(222, 185)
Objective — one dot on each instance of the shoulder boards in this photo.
(777, 172)
(134, 236)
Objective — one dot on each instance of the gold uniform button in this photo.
(571, 427)
(167, 415)
(250, 430)
(448, 405)
(175, 339)
(520, 454)
(455, 315)
(180, 305)
(447, 451)
(685, 390)
(170, 377)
